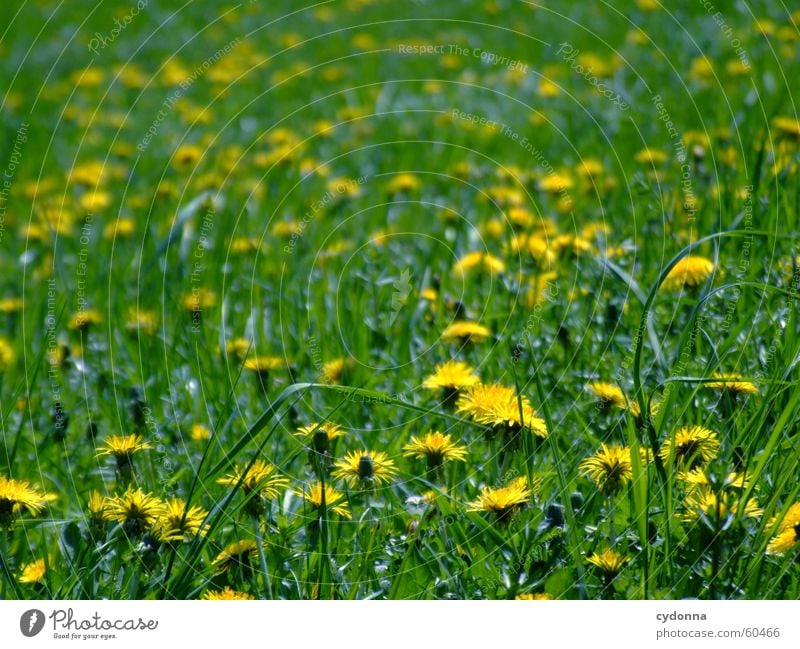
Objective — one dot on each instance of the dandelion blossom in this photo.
(690, 445)
(479, 261)
(226, 593)
(33, 573)
(610, 468)
(16, 495)
(465, 331)
(176, 523)
(123, 447)
(787, 536)
(335, 500)
(733, 383)
(451, 378)
(321, 436)
(502, 501)
(436, 448)
(82, 320)
(136, 510)
(689, 272)
(609, 562)
(497, 405)
(6, 355)
(240, 554)
(365, 467)
(705, 501)
(608, 394)
(262, 478)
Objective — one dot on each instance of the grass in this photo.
(320, 182)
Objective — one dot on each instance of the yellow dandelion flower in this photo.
(436, 448)
(691, 272)
(141, 322)
(11, 304)
(244, 245)
(226, 593)
(464, 331)
(609, 562)
(238, 347)
(123, 447)
(787, 126)
(534, 596)
(541, 250)
(136, 510)
(520, 217)
(6, 355)
(785, 541)
(651, 156)
(263, 364)
(200, 433)
(240, 554)
(555, 183)
(699, 478)
(32, 573)
(705, 501)
(365, 466)
(82, 320)
(429, 294)
(119, 229)
(787, 535)
(16, 495)
(96, 504)
(335, 500)
(502, 501)
(610, 468)
(335, 371)
(480, 261)
(790, 519)
(186, 156)
(498, 405)
(321, 435)
(690, 445)
(403, 183)
(199, 299)
(733, 383)
(635, 409)
(608, 393)
(176, 523)
(450, 378)
(261, 478)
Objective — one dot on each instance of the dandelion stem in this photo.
(262, 557)
(4, 562)
(612, 536)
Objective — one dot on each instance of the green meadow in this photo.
(364, 299)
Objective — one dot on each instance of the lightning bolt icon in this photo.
(32, 620)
